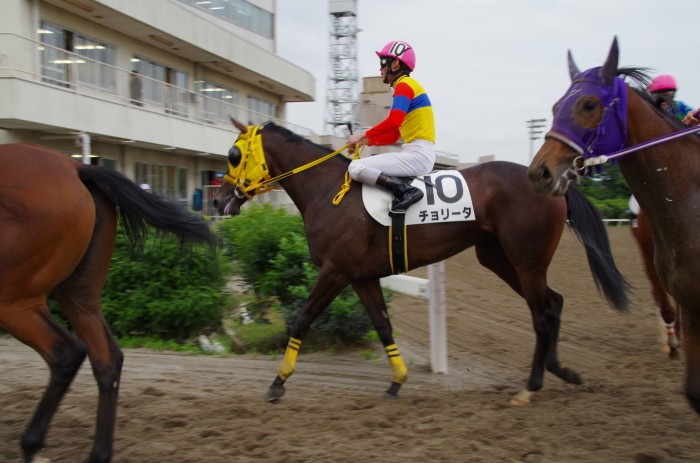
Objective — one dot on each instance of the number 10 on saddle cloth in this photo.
(448, 201)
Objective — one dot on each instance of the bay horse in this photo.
(515, 233)
(598, 115)
(641, 230)
(58, 224)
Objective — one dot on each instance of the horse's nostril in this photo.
(216, 203)
(545, 174)
(539, 173)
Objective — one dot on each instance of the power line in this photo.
(533, 125)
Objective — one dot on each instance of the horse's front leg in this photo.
(328, 285)
(370, 293)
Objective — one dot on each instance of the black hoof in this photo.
(674, 354)
(388, 396)
(274, 393)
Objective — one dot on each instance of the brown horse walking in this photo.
(598, 115)
(58, 223)
(643, 235)
(516, 233)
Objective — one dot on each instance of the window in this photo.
(95, 159)
(108, 162)
(216, 106)
(92, 73)
(54, 61)
(149, 90)
(166, 181)
(239, 12)
(260, 111)
(62, 63)
(158, 85)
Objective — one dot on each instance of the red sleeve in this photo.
(387, 131)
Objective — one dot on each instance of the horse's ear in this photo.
(573, 70)
(609, 70)
(238, 125)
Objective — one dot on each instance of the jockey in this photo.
(411, 117)
(665, 85)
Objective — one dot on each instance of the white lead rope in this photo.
(594, 161)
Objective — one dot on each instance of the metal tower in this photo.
(342, 94)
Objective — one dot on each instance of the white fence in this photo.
(617, 222)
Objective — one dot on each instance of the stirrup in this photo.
(403, 210)
(393, 212)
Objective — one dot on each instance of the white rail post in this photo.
(437, 317)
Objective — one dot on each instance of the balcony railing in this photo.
(29, 60)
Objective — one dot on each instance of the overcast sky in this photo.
(490, 65)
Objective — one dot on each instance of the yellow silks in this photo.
(251, 175)
(345, 187)
(397, 365)
(290, 358)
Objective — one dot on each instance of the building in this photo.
(144, 86)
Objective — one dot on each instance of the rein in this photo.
(574, 170)
(647, 144)
(250, 146)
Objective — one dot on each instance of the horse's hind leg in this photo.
(80, 299)
(691, 345)
(642, 233)
(328, 285)
(370, 293)
(31, 323)
(545, 307)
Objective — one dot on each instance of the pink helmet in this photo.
(662, 82)
(400, 50)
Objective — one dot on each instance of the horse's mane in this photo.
(294, 138)
(639, 80)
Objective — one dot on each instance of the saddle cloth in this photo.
(450, 201)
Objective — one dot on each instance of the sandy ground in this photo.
(194, 408)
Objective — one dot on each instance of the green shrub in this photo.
(164, 291)
(613, 208)
(252, 238)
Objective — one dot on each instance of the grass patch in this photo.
(373, 336)
(266, 338)
(156, 344)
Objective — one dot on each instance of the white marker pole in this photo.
(437, 315)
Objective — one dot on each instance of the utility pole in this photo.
(533, 125)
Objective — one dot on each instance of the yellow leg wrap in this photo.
(290, 358)
(397, 365)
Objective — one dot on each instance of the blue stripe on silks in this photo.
(401, 103)
(421, 101)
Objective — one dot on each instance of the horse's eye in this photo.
(234, 156)
(590, 105)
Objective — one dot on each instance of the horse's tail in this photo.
(590, 231)
(137, 209)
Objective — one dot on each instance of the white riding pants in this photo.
(416, 158)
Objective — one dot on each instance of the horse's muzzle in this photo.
(545, 183)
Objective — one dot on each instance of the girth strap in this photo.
(398, 244)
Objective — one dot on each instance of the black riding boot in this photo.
(404, 194)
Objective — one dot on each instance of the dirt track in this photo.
(184, 408)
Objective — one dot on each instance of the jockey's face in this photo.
(385, 64)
